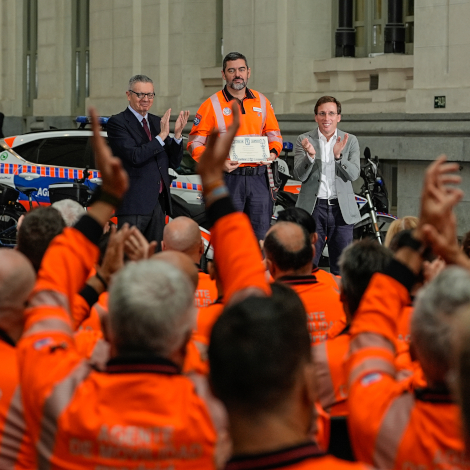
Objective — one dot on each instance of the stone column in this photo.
(345, 35)
(394, 34)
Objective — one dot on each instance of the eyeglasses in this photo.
(150, 96)
(330, 114)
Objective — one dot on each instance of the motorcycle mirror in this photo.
(367, 153)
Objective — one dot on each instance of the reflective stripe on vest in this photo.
(391, 431)
(13, 433)
(263, 107)
(55, 404)
(326, 390)
(53, 324)
(49, 298)
(196, 141)
(370, 340)
(274, 136)
(219, 115)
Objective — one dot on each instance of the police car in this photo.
(39, 159)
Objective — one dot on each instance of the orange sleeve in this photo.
(237, 255)
(46, 351)
(371, 371)
(271, 130)
(203, 124)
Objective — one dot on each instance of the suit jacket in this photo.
(347, 170)
(146, 162)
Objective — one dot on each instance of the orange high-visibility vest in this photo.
(257, 118)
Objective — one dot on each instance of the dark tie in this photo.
(146, 128)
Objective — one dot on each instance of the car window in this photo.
(29, 151)
(65, 151)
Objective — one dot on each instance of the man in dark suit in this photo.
(326, 161)
(141, 140)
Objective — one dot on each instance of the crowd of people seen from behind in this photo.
(116, 355)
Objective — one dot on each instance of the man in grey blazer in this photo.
(326, 161)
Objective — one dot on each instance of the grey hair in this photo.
(459, 376)
(435, 312)
(138, 79)
(70, 210)
(151, 307)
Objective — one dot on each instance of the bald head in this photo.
(17, 278)
(288, 249)
(182, 234)
(182, 262)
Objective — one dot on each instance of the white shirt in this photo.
(140, 118)
(327, 188)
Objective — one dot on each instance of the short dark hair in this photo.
(233, 56)
(298, 216)
(357, 264)
(36, 232)
(285, 259)
(256, 349)
(328, 99)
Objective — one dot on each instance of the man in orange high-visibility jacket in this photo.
(358, 263)
(289, 254)
(398, 424)
(182, 234)
(262, 370)
(248, 184)
(17, 279)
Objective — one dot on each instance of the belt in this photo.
(329, 202)
(249, 170)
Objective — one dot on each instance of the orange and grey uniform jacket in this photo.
(257, 119)
(306, 456)
(322, 303)
(206, 292)
(15, 443)
(240, 266)
(139, 411)
(330, 367)
(395, 424)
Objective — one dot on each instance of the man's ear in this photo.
(201, 247)
(270, 266)
(211, 269)
(310, 382)
(162, 245)
(314, 239)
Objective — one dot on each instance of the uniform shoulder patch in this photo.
(369, 379)
(42, 343)
(197, 119)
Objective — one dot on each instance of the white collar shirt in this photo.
(327, 188)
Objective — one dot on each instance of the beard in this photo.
(237, 85)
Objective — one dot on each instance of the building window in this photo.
(30, 55)
(219, 28)
(80, 54)
(409, 20)
(370, 18)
